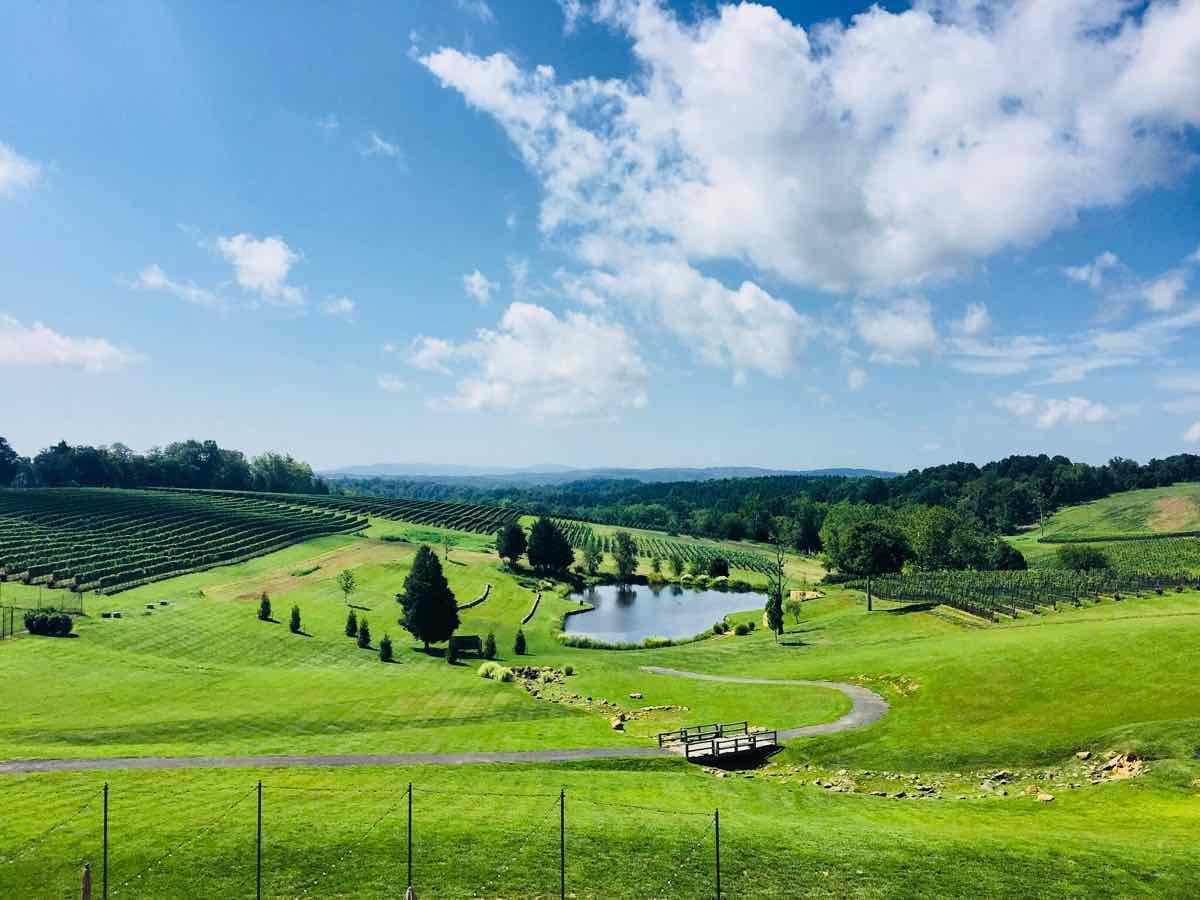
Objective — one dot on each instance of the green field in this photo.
(202, 676)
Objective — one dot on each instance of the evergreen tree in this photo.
(549, 550)
(364, 635)
(294, 622)
(489, 646)
(352, 625)
(519, 643)
(264, 607)
(385, 649)
(430, 611)
(511, 543)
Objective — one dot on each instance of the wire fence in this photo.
(260, 841)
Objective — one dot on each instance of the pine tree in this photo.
(385, 649)
(294, 622)
(264, 607)
(430, 611)
(489, 646)
(352, 625)
(364, 635)
(519, 643)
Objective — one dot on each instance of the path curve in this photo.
(868, 707)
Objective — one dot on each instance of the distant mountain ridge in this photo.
(551, 474)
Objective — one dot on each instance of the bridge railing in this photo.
(701, 733)
(729, 746)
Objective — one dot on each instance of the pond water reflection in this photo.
(631, 613)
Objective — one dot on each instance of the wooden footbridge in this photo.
(728, 741)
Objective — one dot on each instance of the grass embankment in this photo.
(203, 676)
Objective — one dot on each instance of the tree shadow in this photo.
(455, 562)
(907, 608)
(358, 606)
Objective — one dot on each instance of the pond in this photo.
(631, 613)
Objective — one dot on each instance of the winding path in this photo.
(867, 707)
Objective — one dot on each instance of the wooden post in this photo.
(717, 834)
(104, 875)
(868, 593)
(258, 849)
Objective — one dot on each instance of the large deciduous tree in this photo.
(430, 611)
(625, 555)
(510, 543)
(549, 550)
(873, 548)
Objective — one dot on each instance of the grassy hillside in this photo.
(202, 676)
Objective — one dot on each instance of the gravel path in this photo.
(868, 707)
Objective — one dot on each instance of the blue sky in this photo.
(603, 233)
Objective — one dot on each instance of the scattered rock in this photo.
(1084, 755)
(636, 695)
(878, 793)
(1003, 776)
(1043, 797)
(618, 723)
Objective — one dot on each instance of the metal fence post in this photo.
(717, 834)
(562, 844)
(258, 849)
(410, 834)
(104, 877)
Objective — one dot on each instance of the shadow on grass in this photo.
(907, 608)
(358, 606)
(742, 762)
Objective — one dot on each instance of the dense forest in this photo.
(1001, 496)
(184, 464)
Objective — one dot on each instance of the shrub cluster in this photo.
(48, 623)
(264, 608)
(489, 646)
(385, 649)
(741, 629)
(519, 643)
(495, 671)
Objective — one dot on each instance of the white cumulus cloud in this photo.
(856, 379)
(262, 266)
(1192, 435)
(38, 345)
(547, 367)
(1046, 413)
(431, 354)
(899, 332)
(894, 148)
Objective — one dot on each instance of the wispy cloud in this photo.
(1046, 413)
(390, 383)
(153, 278)
(342, 307)
(477, 285)
(16, 171)
(477, 8)
(378, 146)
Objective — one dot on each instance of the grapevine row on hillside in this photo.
(107, 540)
(1170, 557)
(582, 535)
(989, 594)
(439, 514)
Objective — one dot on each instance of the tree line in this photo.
(183, 464)
(1002, 496)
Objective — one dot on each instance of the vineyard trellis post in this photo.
(410, 834)
(562, 844)
(258, 848)
(717, 847)
(104, 866)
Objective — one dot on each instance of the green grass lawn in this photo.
(202, 676)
